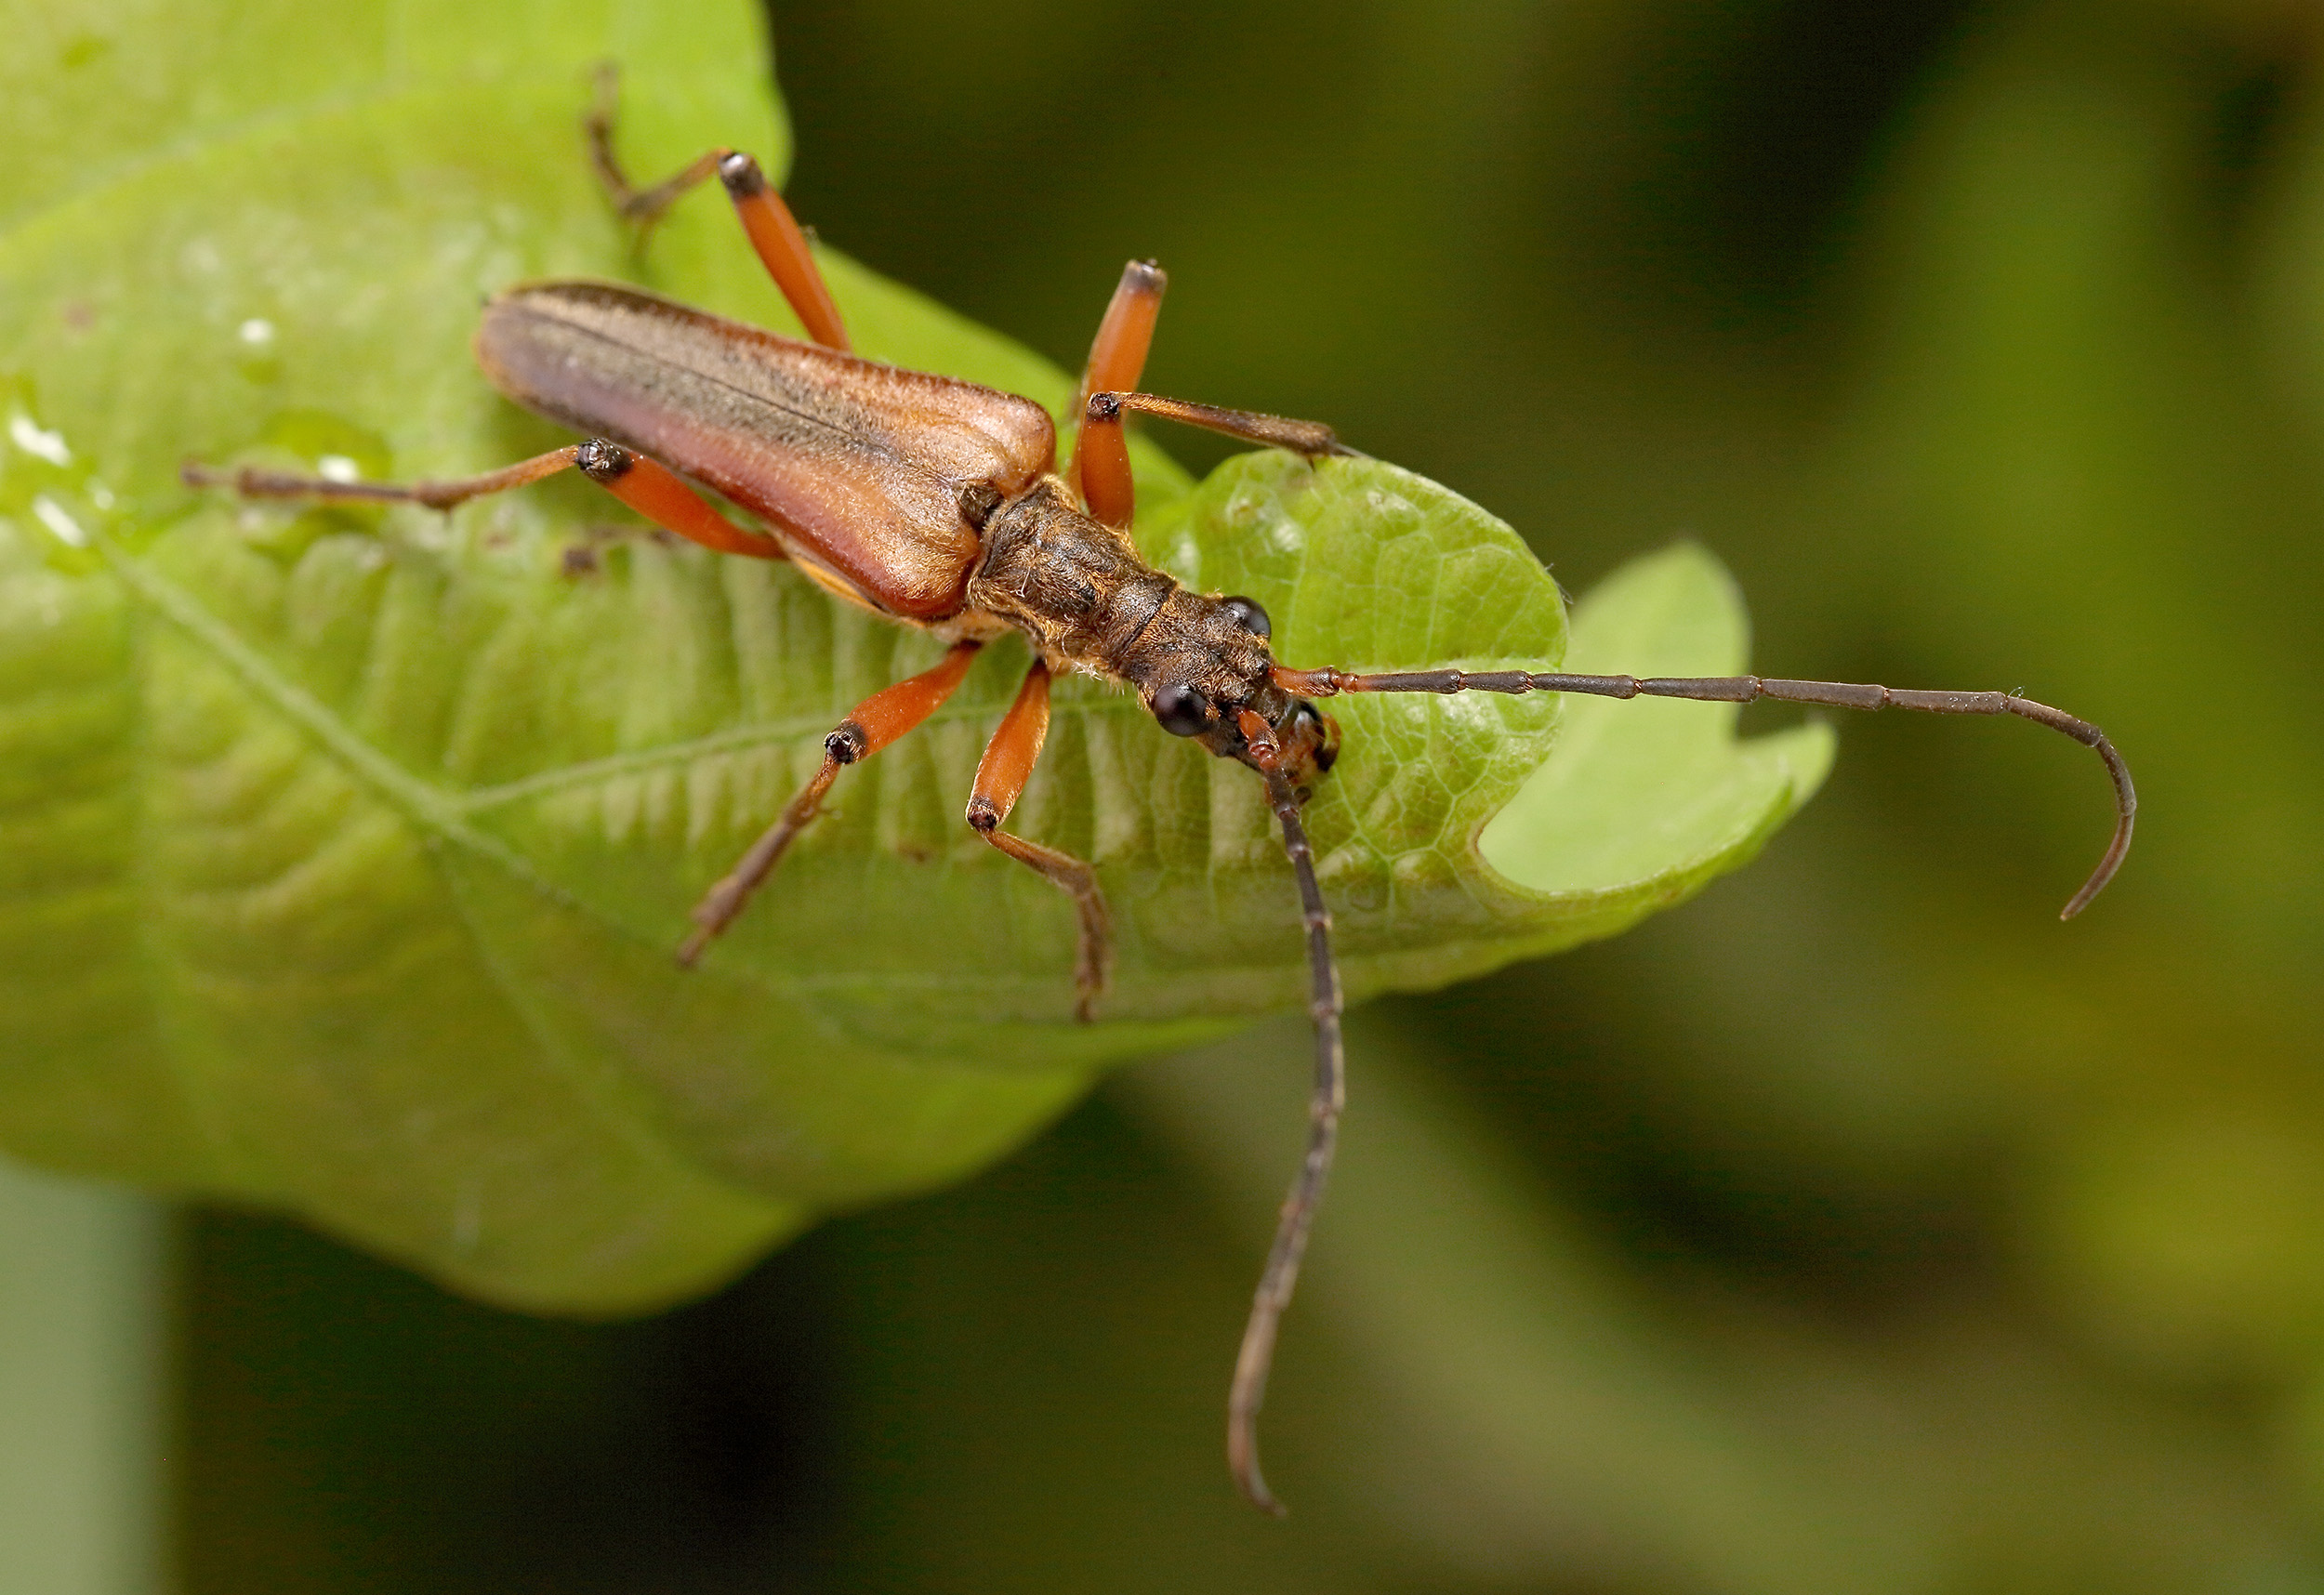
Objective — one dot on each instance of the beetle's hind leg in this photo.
(649, 488)
(870, 726)
(253, 483)
(645, 206)
(774, 234)
(1000, 778)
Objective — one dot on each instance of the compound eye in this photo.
(1253, 618)
(1181, 711)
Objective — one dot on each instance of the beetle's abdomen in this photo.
(857, 467)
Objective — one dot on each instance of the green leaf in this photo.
(345, 851)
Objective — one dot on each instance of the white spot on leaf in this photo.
(29, 435)
(52, 515)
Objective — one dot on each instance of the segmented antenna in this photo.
(1328, 682)
(1249, 1390)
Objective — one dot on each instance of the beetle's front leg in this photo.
(1000, 777)
(647, 487)
(774, 234)
(870, 726)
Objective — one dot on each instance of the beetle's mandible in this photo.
(937, 503)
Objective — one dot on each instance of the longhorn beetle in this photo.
(936, 503)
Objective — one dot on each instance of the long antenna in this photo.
(1328, 682)
(1250, 1391)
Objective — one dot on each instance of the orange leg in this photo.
(872, 725)
(774, 233)
(1118, 356)
(655, 491)
(1000, 778)
(651, 489)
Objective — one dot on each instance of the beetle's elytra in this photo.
(937, 503)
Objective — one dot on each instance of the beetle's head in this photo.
(1207, 678)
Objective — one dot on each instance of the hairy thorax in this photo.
(1200, 663)
(1079, 591)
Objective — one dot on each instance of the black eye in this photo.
(1253, 618)
(1181, 711)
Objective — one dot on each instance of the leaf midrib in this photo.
(430, 809)
(440, 814)
(426, 807)
(763, 733)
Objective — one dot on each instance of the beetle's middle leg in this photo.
(1000, 777)
(870, 726)
(1099, 467)
(774, 234)
(649, 488)
(1310, 437)
(1118, 357)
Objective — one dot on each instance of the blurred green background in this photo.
(1855, 1228)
